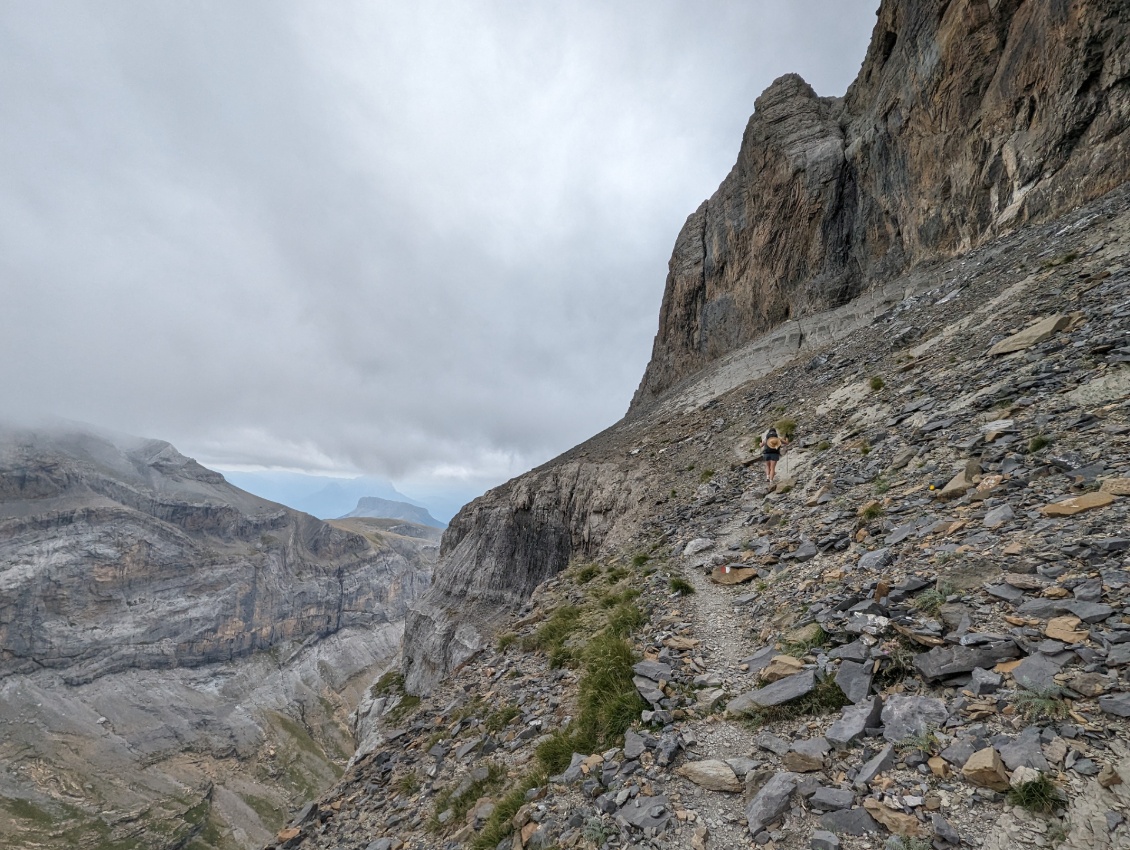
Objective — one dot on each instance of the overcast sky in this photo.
(419, 240)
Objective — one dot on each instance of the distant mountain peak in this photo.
(375, 506)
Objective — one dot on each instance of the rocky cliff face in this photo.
(968, 119)
(178, 658)
(502, 545)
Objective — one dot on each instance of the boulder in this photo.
(711, 774)
(770, 802)
(1037, 332)
(853, 721)
(986, 769)
(907, 717)
(781, 691)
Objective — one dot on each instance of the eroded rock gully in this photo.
(932, 605)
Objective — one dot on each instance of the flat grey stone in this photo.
(1006, 592)
(1088, 612)
(645, 812)
(770, 802)
(945, 831)
(875, 560)
(1036, 673)
(1024, 751)
(772, 743)
(653, 670)
(741, 765)
(849, 822)
(876, 765)
(1118, 705)
(634, 745)
(779, 692)
(985, 681)
(853, 721)
(1041, 609)
(943, 661)
(854, 680)
(823, 840)
(1119, 655)
(998, 516)
(905, 717)
(833, 799)
(856, 651)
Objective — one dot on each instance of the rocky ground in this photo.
(919, 637)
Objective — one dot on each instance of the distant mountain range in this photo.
(374, 506)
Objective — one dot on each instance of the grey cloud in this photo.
(390, 238)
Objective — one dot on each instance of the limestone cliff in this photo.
(968, 118)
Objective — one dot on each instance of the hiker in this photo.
(771, 445)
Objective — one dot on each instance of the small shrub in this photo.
(496, 721)
(407, 705)
(800, 648)
(823, 446)
(1038, 442)
(786, 428)
(1035, 705)
(680, 586)
(587, 573)
(872, 512)
(408, 784)
(926, 743)
(882, 485)
(500, 824)
(641, 558)
(462, 804)
(506, 640)
(706, 475)
(617, 573)
(1039, 795)
(865, 448)
(877, 383)
(930, 601)
(897, 664)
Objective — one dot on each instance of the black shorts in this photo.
(771, 455)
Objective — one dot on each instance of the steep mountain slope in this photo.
(921, 630)
(177, 657)
(968, 119)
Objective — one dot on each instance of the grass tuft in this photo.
(680, 586)
(823, 446)
(786, 428)
(608, 702)
(587, 573)
(1038, 442)
(877, 383)
(871, 512)
(1039, 795)
(641, 558)
(500, 824)
(462, 804)
(506, 640)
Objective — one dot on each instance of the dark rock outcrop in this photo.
(499, 548)
(967, 119)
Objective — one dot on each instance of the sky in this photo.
(422, 241)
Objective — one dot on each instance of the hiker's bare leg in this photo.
(772, 464)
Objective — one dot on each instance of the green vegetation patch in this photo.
(680, 586)
(1038, 704)
(877, 383)
(552, 635)
(500, 824)
(461, 801)
(587, 573)
(1039, 795)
